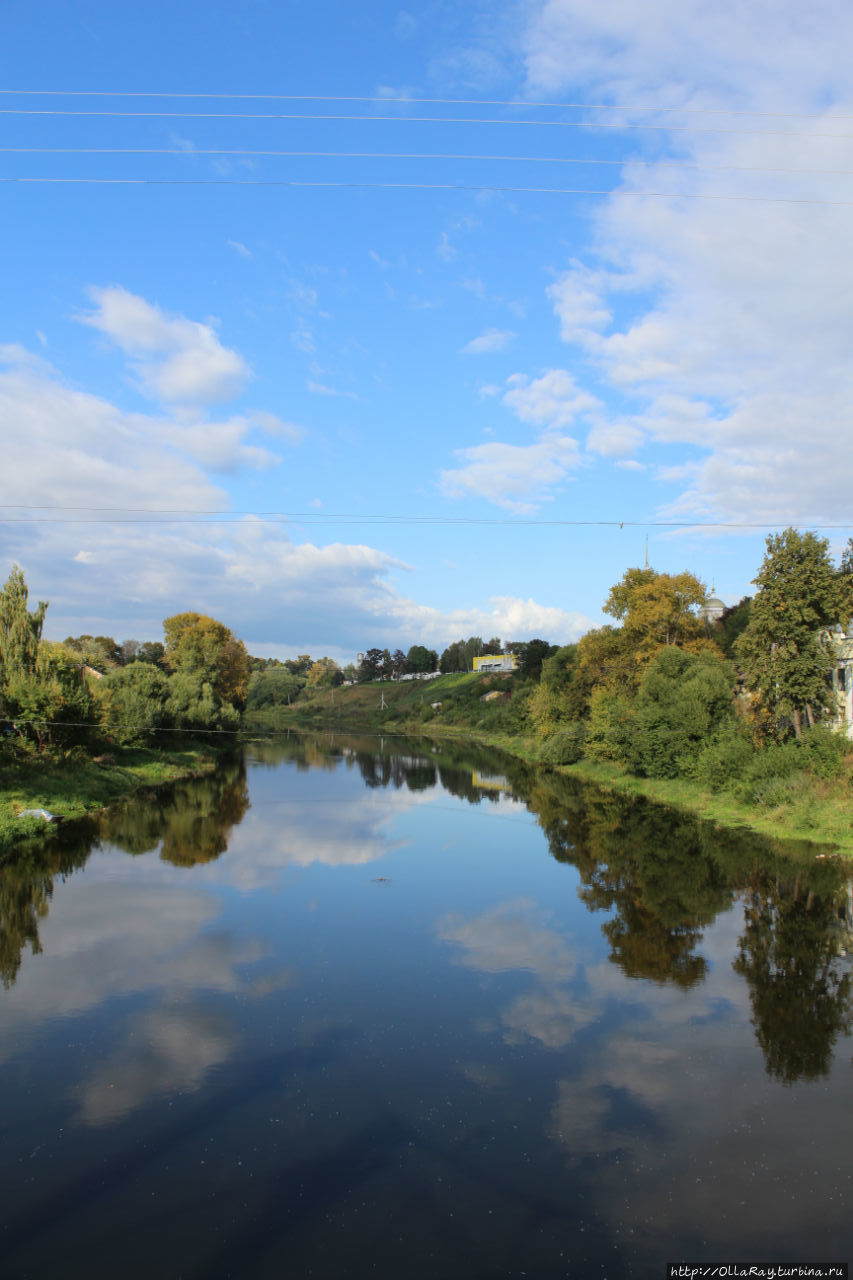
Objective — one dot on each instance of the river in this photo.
(376, 1007)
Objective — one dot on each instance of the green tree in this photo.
(453, 658)
(657, 609)
(192, 704)
(785, 652)
(152, 651)
(272, 688)
(324, 673)
(399, 664)
(51, 706)
(372, 665)
(133, 702)
(20, 628)
(683, 701)
(532, 654)
(731, 624)
(299, 666)
(420, 658)
(203, 647)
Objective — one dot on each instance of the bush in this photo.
(726, 758)
(133, 703)
(611, 725)
(192, 704)
(824, 751)
(684, 698)
(566, 746)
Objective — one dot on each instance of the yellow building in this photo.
(496, 662)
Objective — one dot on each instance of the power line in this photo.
(153, 515)
(420, 186)
(412, 101)
(413, 155)
(544, 124)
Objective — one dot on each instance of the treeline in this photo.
(274, 683)
(744, 703)
(90, 692)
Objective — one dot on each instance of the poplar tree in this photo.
(786, 652)
(20, 629)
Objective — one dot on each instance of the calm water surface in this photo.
(357, 1007)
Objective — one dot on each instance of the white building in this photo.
(842, 682)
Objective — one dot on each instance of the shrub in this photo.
(566, 746)
(133, 702)
(683, 699)
(824, 751)
(611, 725)
(726, 758)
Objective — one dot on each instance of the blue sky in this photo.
(478, 363)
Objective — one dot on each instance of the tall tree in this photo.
(420, 658)
(657, 609)
(20, 628)
(205, 648)
(324, 673)
(372, 665)
(786, 654)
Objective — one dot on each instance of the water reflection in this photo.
(799, 984)
(190, 821)
(250, 1058)
(660, 879)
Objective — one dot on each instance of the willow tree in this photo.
(785, 651)
(20, 628)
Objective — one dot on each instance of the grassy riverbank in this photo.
(73, 787)
(801, 806)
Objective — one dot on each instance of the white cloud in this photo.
(614, 440)
(551, 400)
(165, 1050)
(517, 477)
(322, 389)
(727, 323)
(122, 577)
(177, 361)
(240, 248)
(491, 340)
(510, 617)
(578, 302)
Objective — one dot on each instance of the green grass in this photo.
(73, 787)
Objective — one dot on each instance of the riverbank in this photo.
(806, 807)
(74, 787)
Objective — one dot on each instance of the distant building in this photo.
(842, 682)
(713, 608)
(496, 662)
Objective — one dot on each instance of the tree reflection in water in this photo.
(799, 984)
(189, 821)
(661, 876)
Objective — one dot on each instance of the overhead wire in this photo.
(417, 155)
(385, 100)
(421, 186)
(153, 515)
(376, 119)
